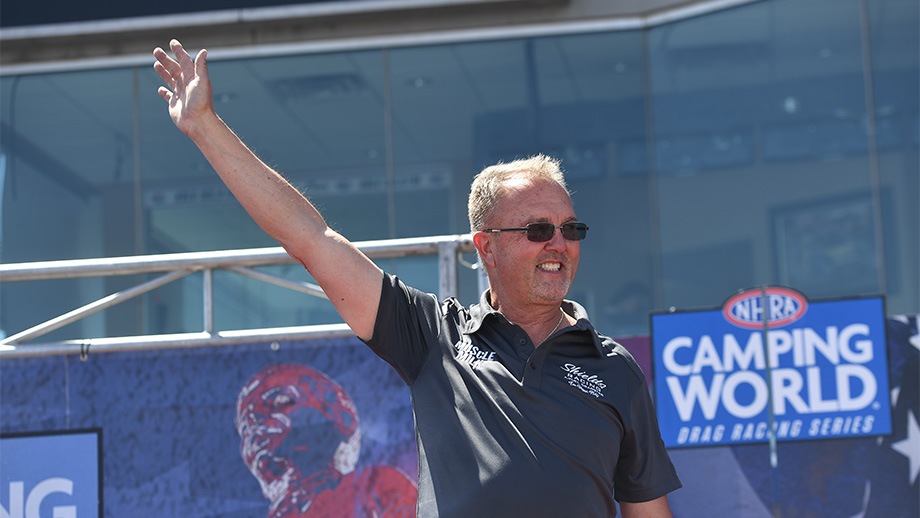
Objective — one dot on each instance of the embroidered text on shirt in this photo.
(471, 354)
(587, 383)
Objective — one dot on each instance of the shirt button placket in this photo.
(532, 373)
(523, 351)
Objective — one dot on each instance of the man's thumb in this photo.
(201, 65)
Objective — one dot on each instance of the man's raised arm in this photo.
(350, 279)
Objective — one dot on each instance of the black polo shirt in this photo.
(507, 429)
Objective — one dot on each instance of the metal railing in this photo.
(448, 249)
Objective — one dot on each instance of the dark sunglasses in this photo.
(540, 232)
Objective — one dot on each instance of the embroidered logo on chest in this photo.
(583, 381)
(471, 354)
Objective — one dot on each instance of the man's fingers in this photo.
(182, 57)
(165, 93)
(163, 73)
(165, 66)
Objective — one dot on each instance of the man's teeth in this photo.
(550, 267)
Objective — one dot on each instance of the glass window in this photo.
(895, 42)
(458, 108)
(761, 156)
(318, 119)
(761, 167)
(68, 176)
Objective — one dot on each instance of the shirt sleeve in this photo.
(644, 469)
(406, 320)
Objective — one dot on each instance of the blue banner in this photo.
(823, 365)
(264, 429)
(51, 474)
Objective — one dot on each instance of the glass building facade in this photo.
(770, 143)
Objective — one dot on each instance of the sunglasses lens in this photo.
(574, 231)
(540, 232)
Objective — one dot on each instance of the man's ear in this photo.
(483, 242)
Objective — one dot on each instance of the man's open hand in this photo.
(188, 87)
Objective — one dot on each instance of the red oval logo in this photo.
(783, 307)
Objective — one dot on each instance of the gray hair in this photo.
(488, 186)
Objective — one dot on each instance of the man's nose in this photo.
(557, 242)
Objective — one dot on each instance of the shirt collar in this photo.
(481, 311)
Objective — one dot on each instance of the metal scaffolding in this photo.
(175, 266)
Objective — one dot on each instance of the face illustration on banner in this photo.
(300, 437)
(295, 422)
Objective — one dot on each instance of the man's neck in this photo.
(539, 321)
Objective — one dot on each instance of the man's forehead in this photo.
(539, 196)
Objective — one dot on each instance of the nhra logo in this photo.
(747, 309)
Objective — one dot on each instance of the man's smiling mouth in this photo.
(550, 267)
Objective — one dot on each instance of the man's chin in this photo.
(553, 293)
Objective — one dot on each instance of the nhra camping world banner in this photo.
(826, 362)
